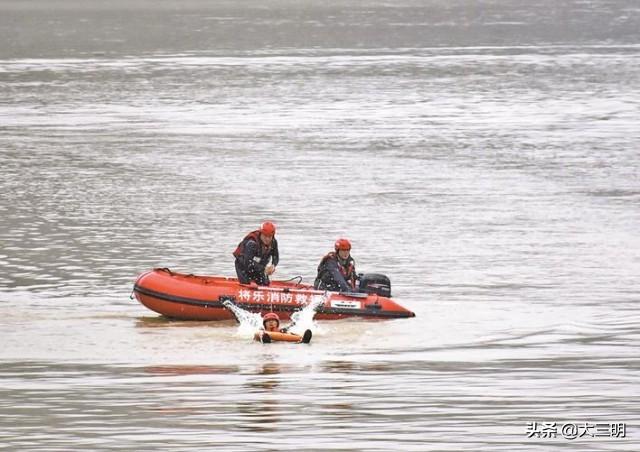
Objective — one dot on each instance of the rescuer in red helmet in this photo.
(257, 255)
(337, 270)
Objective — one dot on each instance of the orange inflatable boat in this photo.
(191, 297)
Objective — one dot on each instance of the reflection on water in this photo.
(164, 322)
(190, 370)
(271, 369)
(491, 403)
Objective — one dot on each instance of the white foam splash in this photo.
(301, 320)
(250, 322)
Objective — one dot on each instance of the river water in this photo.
(482, 154)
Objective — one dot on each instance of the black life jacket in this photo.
(255, 236)
(348, 269)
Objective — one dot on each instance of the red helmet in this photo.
(268, 228)
(271, 316)
(343, 244)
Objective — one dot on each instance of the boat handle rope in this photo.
(299, 278)
(164, 269)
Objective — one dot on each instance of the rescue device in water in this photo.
(190, 297)
(278, 336)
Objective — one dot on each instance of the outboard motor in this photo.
(375, 283)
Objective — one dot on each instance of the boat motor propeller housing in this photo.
(375, 283)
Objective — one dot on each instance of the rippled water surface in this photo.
(483, 155)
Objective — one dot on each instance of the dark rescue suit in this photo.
(336, 274)
(252, 257)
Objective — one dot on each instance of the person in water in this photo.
(257, 255)
(271, 324)
(337, 270)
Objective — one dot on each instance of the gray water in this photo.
(482, 154)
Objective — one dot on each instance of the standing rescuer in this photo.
(257, 255)
(337, 270)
